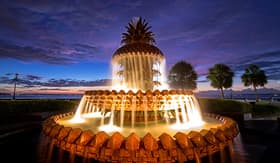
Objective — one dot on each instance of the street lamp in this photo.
(15, 80)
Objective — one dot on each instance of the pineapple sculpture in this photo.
(138, 64)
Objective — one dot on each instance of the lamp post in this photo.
(15, 80)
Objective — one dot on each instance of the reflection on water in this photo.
(238, 153)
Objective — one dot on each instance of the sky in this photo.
(66, 46)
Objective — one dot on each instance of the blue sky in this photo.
(72, 42)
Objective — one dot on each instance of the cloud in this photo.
(30, 81)
(267, 61)
(52, 89)
(52, 32)
(202, 81)
(33, 77)
(63, 54)
(200, 26)
(28, 53)
(74, 83)
(6, 80)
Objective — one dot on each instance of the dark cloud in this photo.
(27, 53)
(75, 83)
(63, 54)
(268, 61)
(30, 81)
(52, 89)
(5, 80)
(48, 32)
(202, 81)
(33, 77)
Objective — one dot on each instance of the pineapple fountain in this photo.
(140, 119)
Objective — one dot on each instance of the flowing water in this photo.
(175, 112)
(139, 72)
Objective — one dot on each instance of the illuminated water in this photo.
(138, 71)
(126, 113)
(156, 129)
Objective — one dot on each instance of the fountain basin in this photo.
(140, 128)
(149, 146)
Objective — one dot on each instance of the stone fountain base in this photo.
(165, 148)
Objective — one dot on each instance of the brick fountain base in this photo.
(118, 148)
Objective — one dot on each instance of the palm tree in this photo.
(138, 32)
(221, 77)
(182, 76)
(254, 76)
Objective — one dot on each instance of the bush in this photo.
(210, 105)
(25, 106)
(265, 108)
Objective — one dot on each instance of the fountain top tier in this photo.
(138, 66)
(138, 47)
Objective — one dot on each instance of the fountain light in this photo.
(77, 119)
(109, 128)
(123, 87)
(187, 126)
(93, 115)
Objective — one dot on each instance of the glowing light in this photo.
(119, 87)
(77, 119)
(186, 126)
(110, 128)
(93, 115)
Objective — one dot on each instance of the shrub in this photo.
(265, 108)
(23, 106)
(210, 105)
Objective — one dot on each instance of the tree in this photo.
(220, 76)
(138, 32)
(254, 76)
(182, 76)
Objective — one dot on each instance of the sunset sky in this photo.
(65, 46)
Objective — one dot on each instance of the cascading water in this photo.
(127, 111)
(139, 71)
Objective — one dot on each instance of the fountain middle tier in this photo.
(138, 101)
(118, 110)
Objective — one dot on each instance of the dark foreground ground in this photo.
(258, 142)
